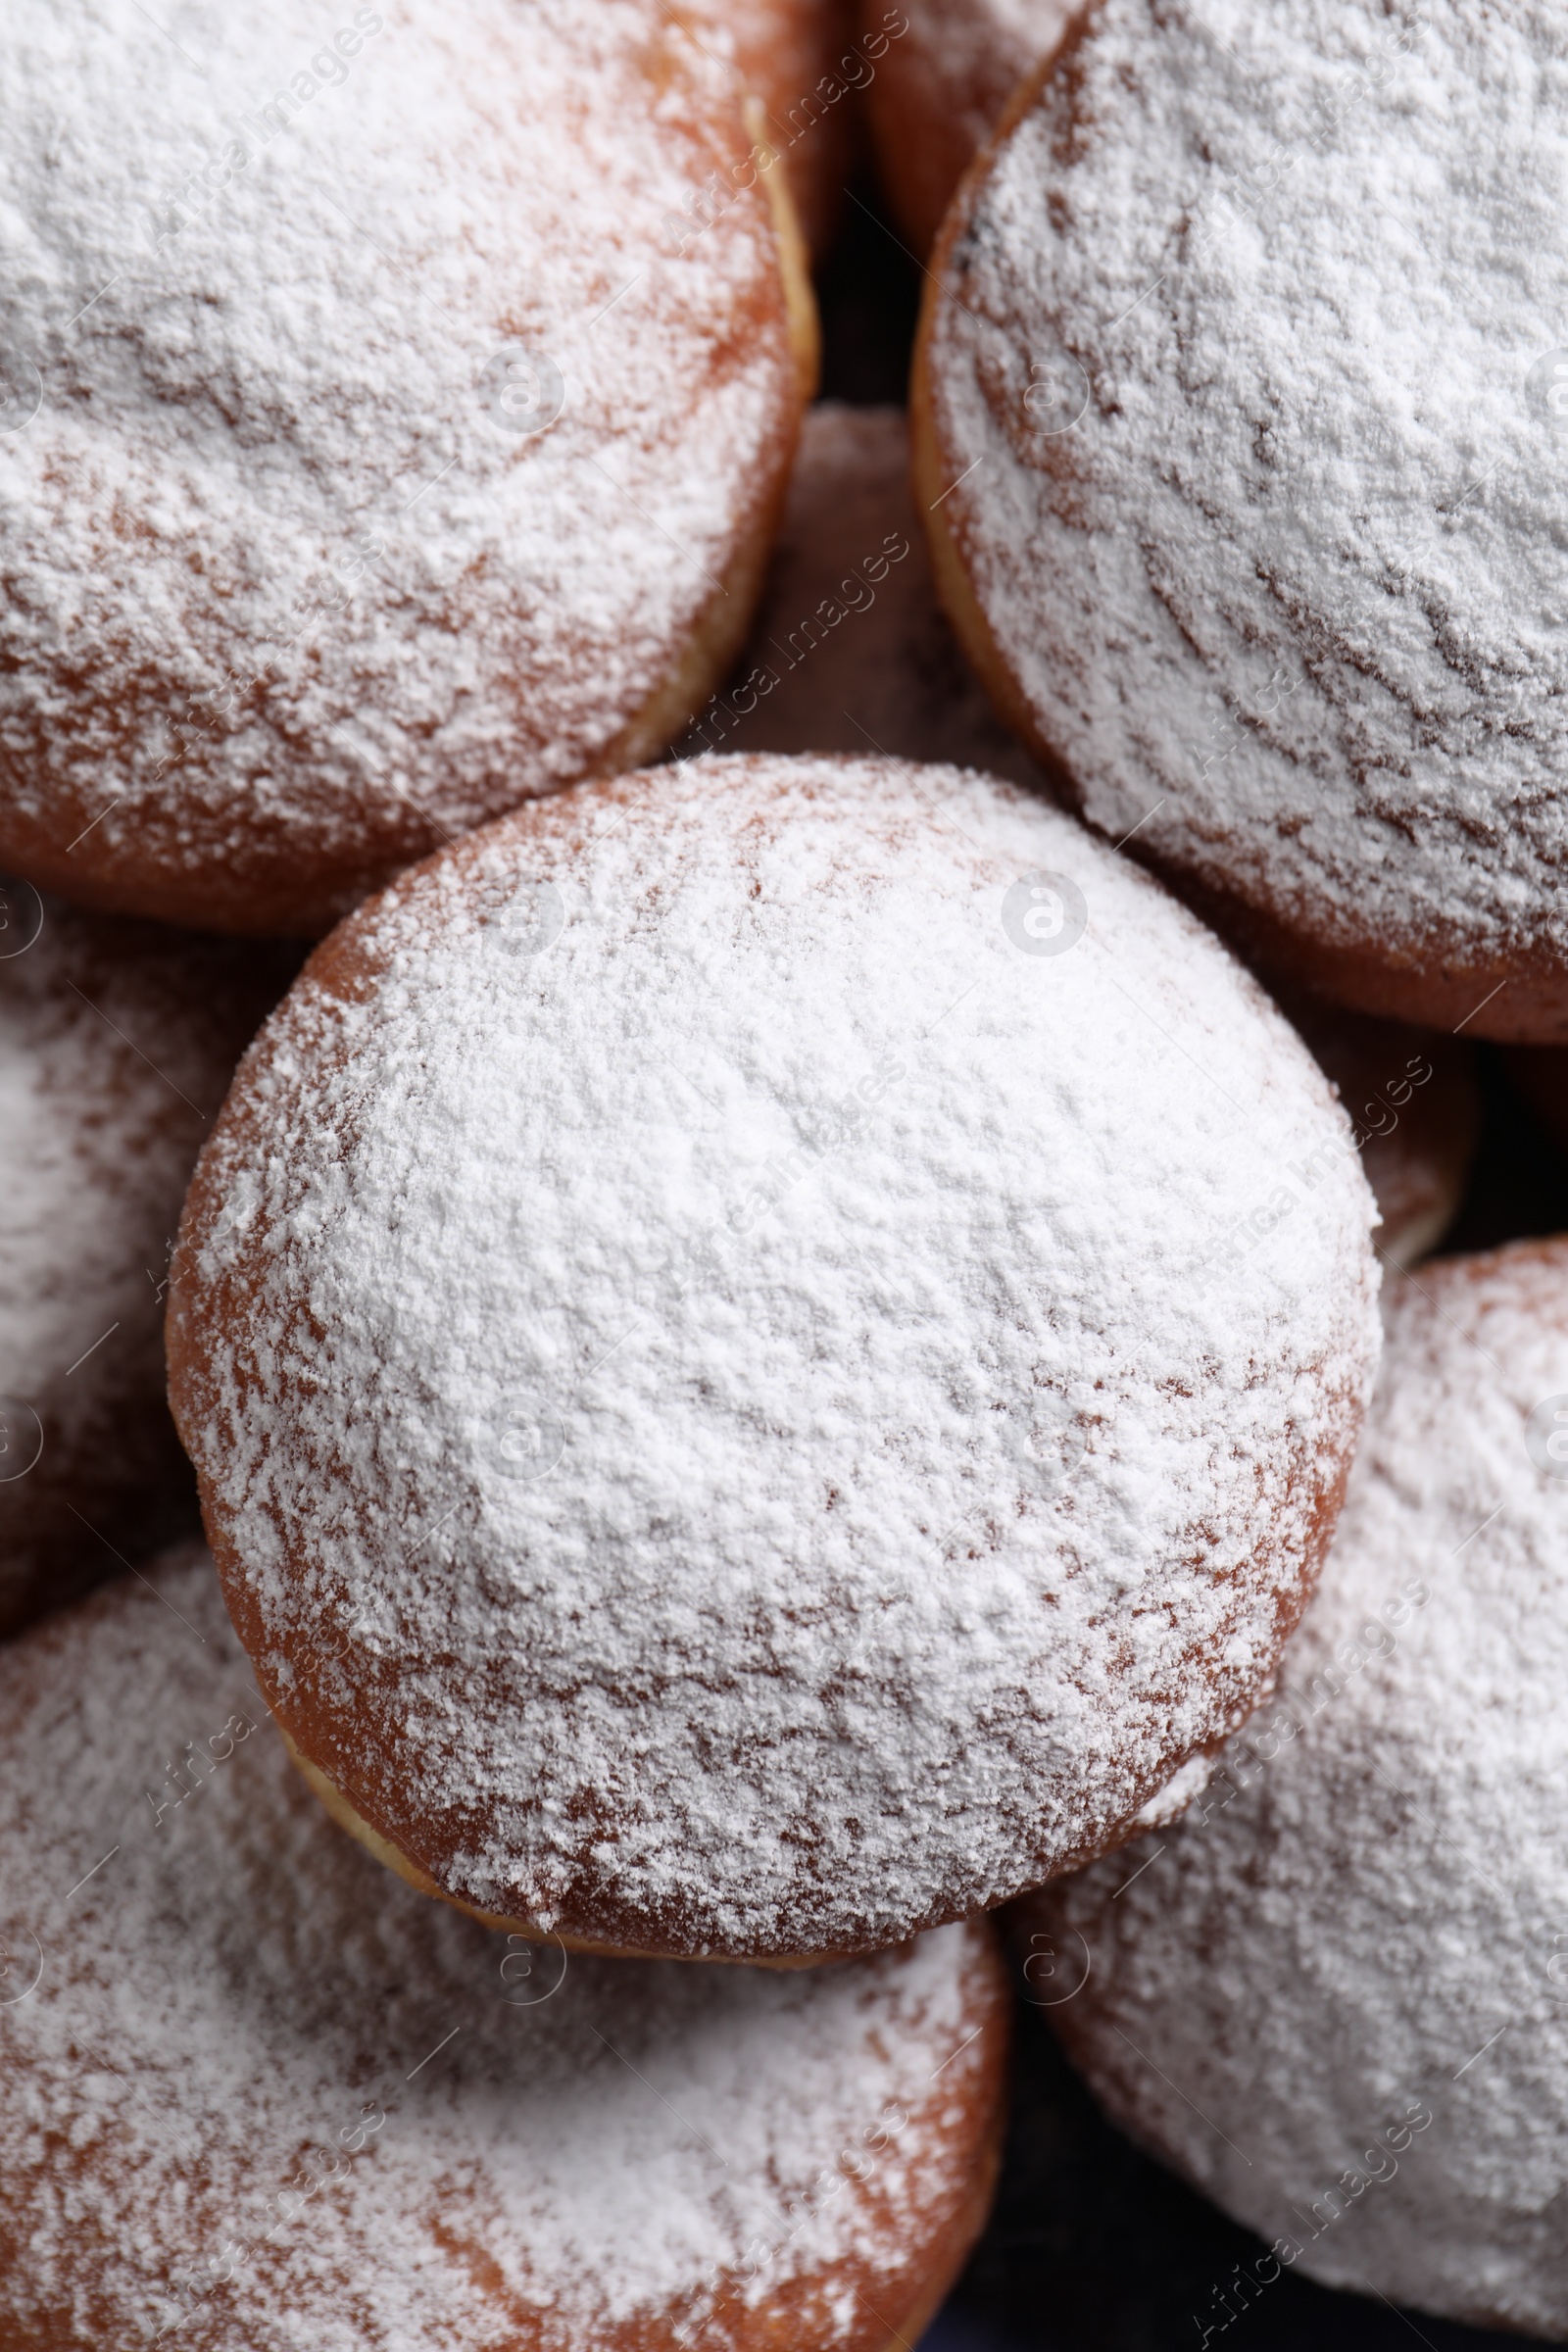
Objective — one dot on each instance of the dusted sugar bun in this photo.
(1335, 1998)
(1415, 1109)
(851, 650)
(770, 1346)
(1237, 393)
(400, 404)
(259, 2095)
(118, 1041)
(800, 59)
(941, 88)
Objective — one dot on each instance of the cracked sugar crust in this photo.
(808, 1410)
(1366, 1922)
(263, 2095)
(1288, 590)
(297, 580)
(118, 1041)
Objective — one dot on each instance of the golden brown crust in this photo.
(725, 621)
(1388, 980)
(933, 479)
(922, 147)
(392, 1858)
(935, 100)
(787, 52)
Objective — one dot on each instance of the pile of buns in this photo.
(793, 1266)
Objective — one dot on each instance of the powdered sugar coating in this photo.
(1371, 1924)
(1264, 511)
(118, 1041)
(812, 1409)
(293, 565)
(239, 2000)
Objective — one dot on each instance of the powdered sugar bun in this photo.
(1336, 1997)
(798, 57)
(118, 1041)
(401, 401)
(1234, 413)
(259, 2095)
(941, 88)
(771, 1348)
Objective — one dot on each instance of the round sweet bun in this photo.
(799, 58)
(1244, 493)
(397, 407)
(941, 88)
(851, 650)
(259, 2095)
(1541, 1073)
(1336, 1997)
(118, 1041)
(770, 1346)
(1415, 1106)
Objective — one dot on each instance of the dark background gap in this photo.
(868, 294)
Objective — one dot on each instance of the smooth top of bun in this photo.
(1367, 1913)
(744, 1403)
(299, 581)
(1243, 351)
(258, 2093)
